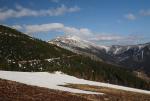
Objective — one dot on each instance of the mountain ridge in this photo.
(131, 56)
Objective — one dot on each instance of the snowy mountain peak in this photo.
(75, 41)
(69, 37)
(70, 41)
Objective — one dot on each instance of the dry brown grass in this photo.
(13, 91)
(113, 94)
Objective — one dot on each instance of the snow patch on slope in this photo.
(53, 80)
(107, 48)
(44, 79)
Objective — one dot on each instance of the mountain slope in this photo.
(15, 46)
(19, 52)
(23, 45)
(134, 57)
(77, 45)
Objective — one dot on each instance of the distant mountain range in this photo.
(20, 52)
(135, 57)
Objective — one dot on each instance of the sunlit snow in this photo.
(53, 80)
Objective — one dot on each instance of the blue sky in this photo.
(101, 21)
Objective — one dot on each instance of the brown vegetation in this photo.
(113, 94)
(13, 91)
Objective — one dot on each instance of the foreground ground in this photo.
(57, 86)
(113, 94)
(14, 91)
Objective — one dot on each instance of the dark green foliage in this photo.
(17, 46)
(19, 52)
(86, 68)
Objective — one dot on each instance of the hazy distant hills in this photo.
(19, 52)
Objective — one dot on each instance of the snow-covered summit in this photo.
(72, 41)
(75, 41)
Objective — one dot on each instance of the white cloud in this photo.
(18, 27)
(145, 12)
(106, 37)
(113, 39)
(55, 1)
(130, 16)
(57, 27)
(20, 11)
(43, 27)
(83, 33)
